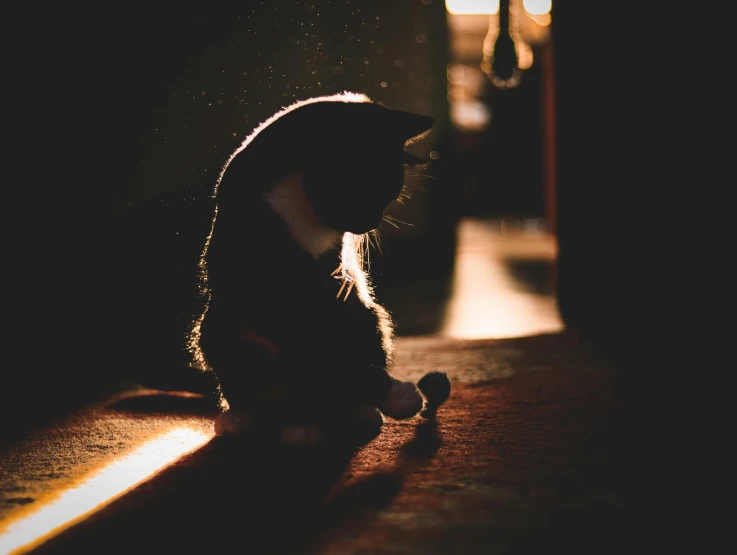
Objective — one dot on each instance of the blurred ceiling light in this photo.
(472, 7)
(524, 54)
(537, 7)
(542, 19)
(493, 40)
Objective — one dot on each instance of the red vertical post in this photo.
(547, 69)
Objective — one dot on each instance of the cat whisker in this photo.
(342, 286)
(377, 239)
(366, 242)
(390, 222)
(398, 221)
(348, 292)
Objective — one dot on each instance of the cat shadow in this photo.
(374, 492)
(251, 492)
(164, 402)
(425, 443)
(365, 497)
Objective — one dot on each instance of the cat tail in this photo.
(184, 378)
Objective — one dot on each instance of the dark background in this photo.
(122, 119)
(122, 116)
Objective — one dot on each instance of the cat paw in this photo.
(404, 401)
(369, 419)
(300, 435)
(233, 422)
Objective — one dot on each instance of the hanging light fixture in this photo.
(476, 48)
(506, 53)
(500, 62)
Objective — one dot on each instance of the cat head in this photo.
(350, 152)
(356, 166)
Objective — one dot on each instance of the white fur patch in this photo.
(404, 400)
(288, 199)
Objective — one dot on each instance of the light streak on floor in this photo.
(109, 483)
(486, 301)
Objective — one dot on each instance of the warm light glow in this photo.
(99, 490)
(456, 73)
(471, 115)
(465, 87)
(485, 301)
(524, 54)
(472, 7)
(468, 78)
(537, 7)
(543, 19)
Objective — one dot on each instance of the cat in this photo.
(290, 326)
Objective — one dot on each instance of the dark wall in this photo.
(505, 165)
(607, 146)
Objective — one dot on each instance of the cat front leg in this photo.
(403, 402)
(373, 385)
(361, 337)
(370, 334)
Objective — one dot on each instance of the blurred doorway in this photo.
(503, 281)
